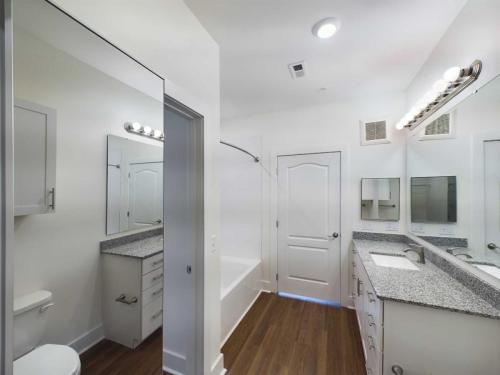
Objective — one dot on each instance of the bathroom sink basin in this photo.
(393, 261)
(491, 270)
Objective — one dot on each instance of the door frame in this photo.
(199, 261)
(345, 227)
(6, 189)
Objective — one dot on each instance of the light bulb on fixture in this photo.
(431, 96)
(147, 130)
(136, 126)
(400, 125)
(452, 74)
(326, 28)
(157, 133)
(440, 86)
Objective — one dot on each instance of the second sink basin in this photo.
(393, 261)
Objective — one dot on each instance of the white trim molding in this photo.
(87, 340)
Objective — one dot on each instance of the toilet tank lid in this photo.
(31, 301)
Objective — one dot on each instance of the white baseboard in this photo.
(176, 362)
(241, 317)
(84, 342)
(218, 366)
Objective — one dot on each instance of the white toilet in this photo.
(30, 318)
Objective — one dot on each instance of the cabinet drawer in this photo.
(152, 317)
(152, 293)
(152, 263)
(152, 278)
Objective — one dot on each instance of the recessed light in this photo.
(326, 28)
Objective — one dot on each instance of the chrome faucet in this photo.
(419, 250)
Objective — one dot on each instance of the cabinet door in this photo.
(34, 158)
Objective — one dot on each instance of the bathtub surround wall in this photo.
(168, 38)
(60, 251)
(241, 199)
(328, 127)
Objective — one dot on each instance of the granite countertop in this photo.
(142, 249)
(429, 286)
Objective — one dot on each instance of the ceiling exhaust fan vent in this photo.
(297, 70)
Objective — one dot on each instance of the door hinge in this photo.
(277, 223)
(277, 277)
(129, 175)
(128, 213)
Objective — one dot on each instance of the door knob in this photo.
(492, 246)
(334, 235)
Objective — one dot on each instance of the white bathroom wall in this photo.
(166, 36)
(241, 199)
(333, 126)
(60, 251)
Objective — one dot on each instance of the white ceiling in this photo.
(379, 49)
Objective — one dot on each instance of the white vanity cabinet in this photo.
(34, 158)
(421, 339)
(132, 297)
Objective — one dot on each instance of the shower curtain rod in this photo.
(255, 158)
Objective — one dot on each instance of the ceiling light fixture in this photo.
(146, 131)
(326, 28)
(454, 81)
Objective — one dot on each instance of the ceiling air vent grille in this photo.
(297, 70)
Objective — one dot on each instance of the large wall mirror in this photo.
(74, 92)
(453, 177)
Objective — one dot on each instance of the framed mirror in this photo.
(460, 213)
(134, 185)
(380, 199)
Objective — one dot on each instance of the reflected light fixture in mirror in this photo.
(145, 131)
(454, 81)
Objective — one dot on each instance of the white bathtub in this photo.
(240, 287)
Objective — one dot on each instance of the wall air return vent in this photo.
(374, 132)
(297, 70)
(440, 128)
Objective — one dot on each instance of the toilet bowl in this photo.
(30, 318)
(48, 359)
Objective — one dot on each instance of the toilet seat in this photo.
(48, 360)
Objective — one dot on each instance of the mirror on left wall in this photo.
(77, 277)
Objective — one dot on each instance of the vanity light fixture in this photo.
(145, 131)
(454, 81)
(326, 28)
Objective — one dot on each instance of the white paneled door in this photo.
(309, 225)
(492, 196)
(145, 194)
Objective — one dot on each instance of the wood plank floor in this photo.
(286, 336)
(278, 336)
(109, 358)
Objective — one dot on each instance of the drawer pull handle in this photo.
(371, 320)
(157, 277)
(370, 297)
(128, 301)
(397, 370)
(157, 315)
(157, 262)
(156, 292)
